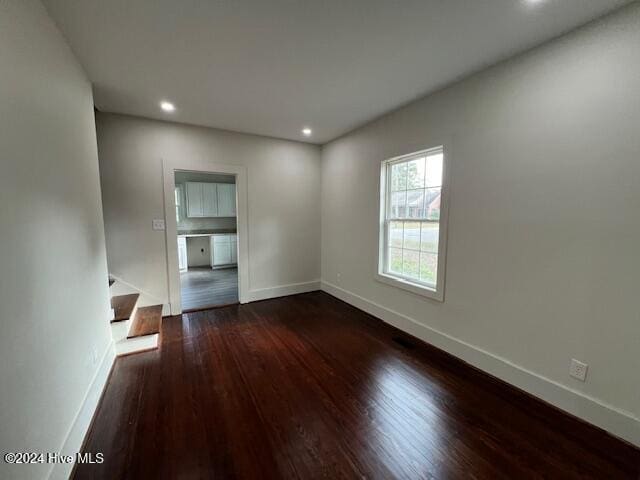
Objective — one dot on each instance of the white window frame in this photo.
(396, 280)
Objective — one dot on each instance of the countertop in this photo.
(204, 233)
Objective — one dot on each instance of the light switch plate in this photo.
(158, 224)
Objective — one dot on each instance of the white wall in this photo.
(54, 298)
(283, 203)
(544, 228)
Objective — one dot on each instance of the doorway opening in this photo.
(206, 228)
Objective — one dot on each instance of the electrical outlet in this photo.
(158, 224)
(578, 370)
(338, 277)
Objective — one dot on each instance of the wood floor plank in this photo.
(309, 387)
(123, 306)
(147, 321)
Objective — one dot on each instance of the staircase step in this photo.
(123, 306)
(129, 346)
(146, 322)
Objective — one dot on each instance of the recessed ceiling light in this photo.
(306, 131)
(167, 106)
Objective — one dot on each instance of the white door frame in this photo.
(169, 168)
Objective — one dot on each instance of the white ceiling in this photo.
(271, 67)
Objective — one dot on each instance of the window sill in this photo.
(416, 288)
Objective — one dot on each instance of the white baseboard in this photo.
(283, 290)
(80, 426)
(120, 287)
(614, 420)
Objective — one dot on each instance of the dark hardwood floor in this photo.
(204, 287)
(310, 387)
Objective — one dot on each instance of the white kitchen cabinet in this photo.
(195, 201)
(182, 253)
(226, 200)
(223, 250)
(210, 199)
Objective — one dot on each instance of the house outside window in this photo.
(412, 222)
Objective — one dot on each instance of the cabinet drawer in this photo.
(220, 239)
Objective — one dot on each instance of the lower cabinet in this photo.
(224, 250)
(182, 253)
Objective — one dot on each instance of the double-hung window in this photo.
(412, 228)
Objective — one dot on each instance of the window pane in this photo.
(434, 170)
(395, 260)
(415, 204)
(398, 204)
(398, 177)
(429, 238)
(411, 264)
(412, 235)
(412, 217)
(428, 268)
(395, 234)
(415, 173)
(432, 203)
